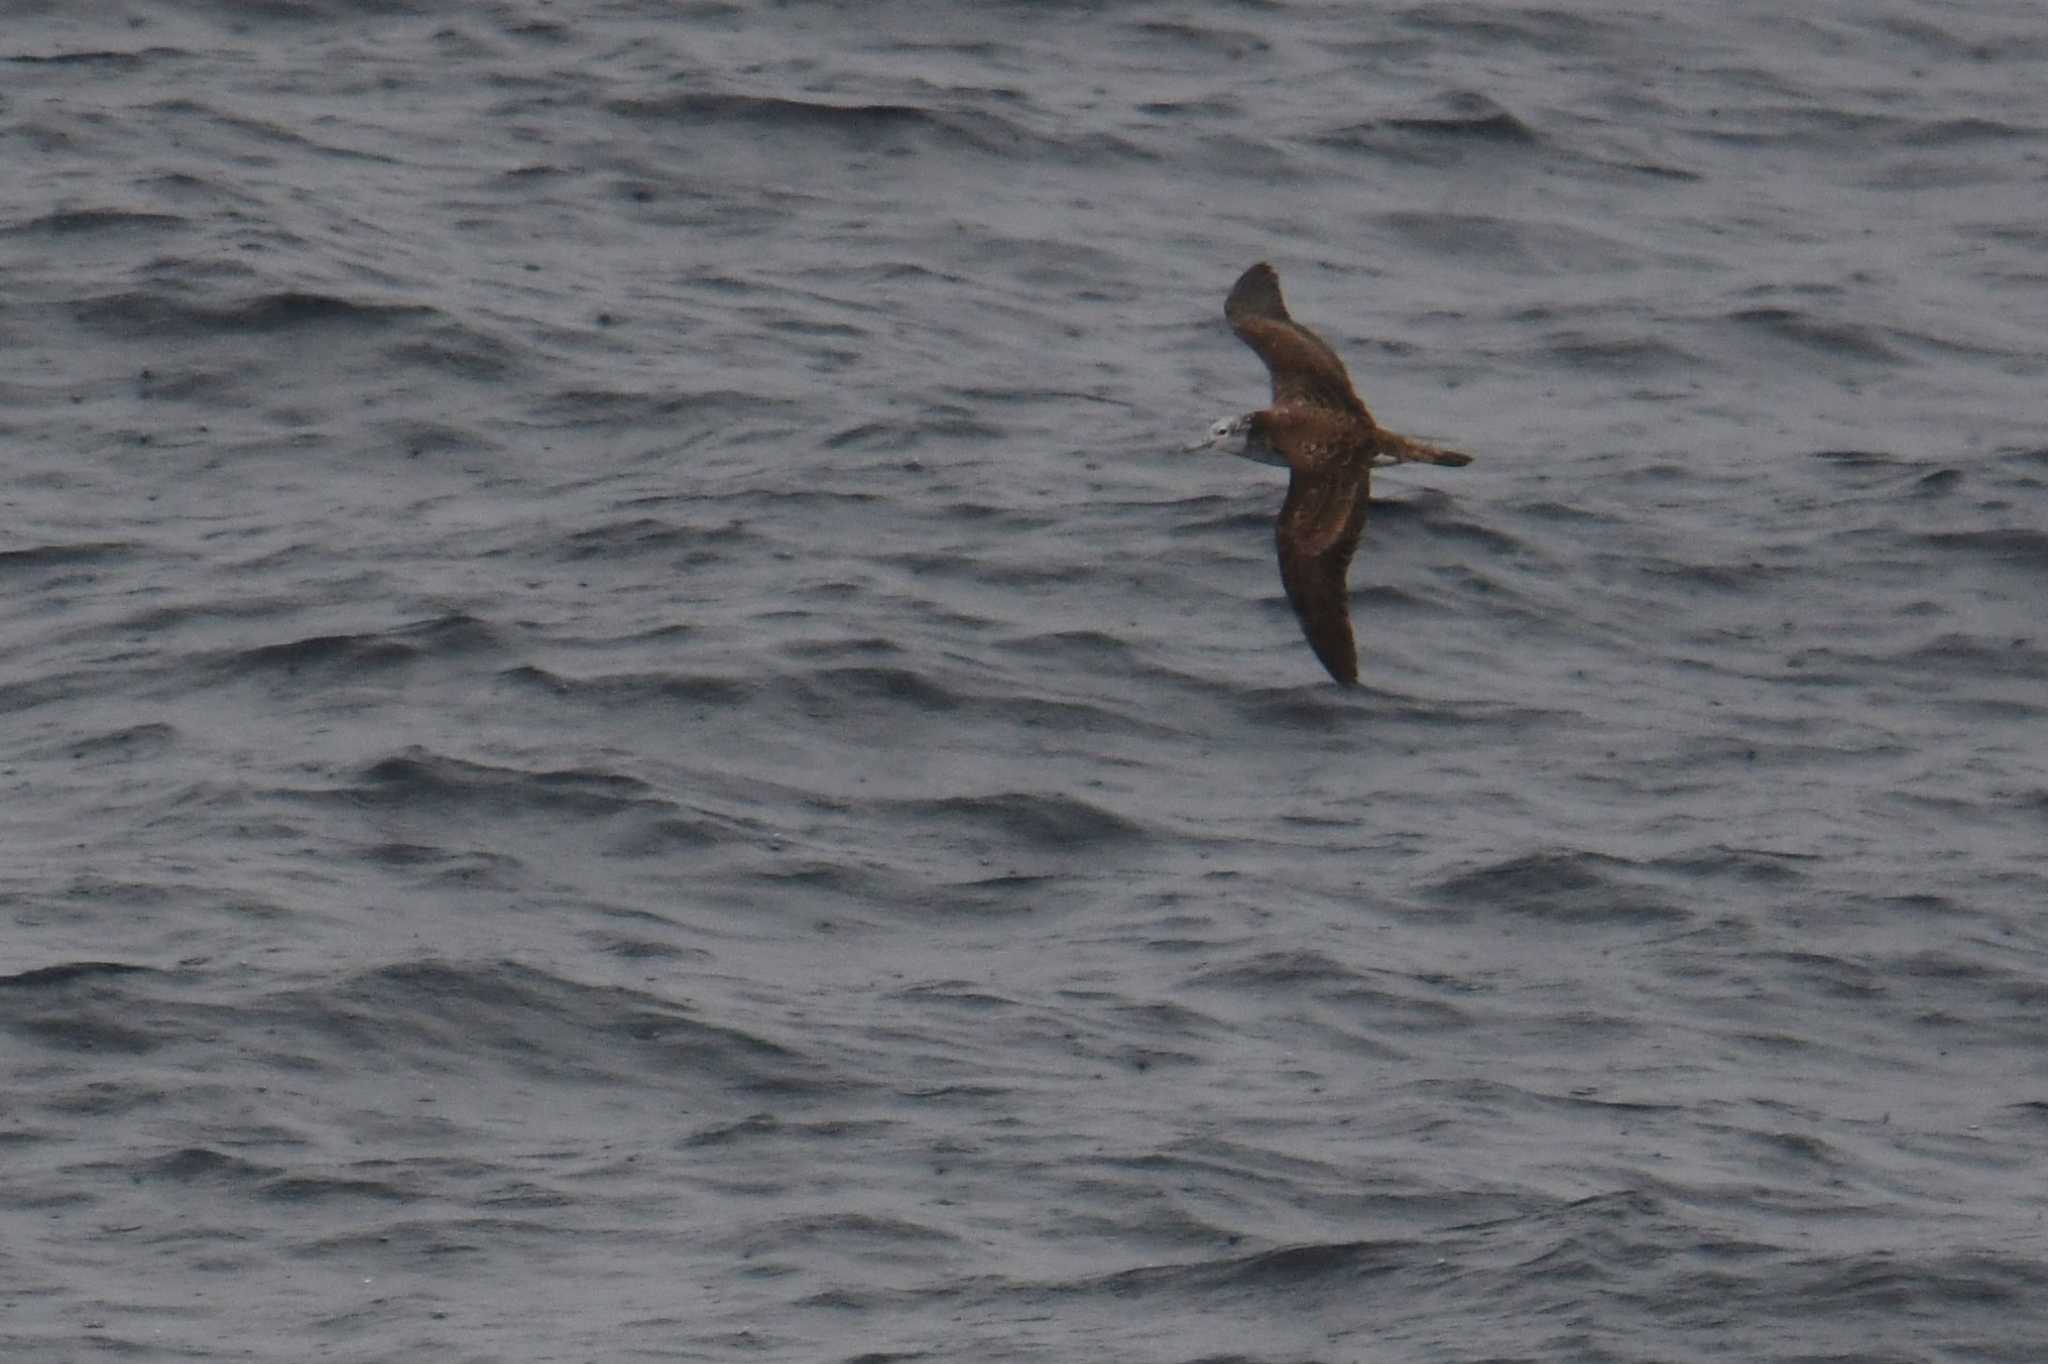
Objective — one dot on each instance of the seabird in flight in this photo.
(1321, 433)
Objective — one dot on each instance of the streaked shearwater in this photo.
(1321, 433)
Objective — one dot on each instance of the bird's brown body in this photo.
(1329, 442)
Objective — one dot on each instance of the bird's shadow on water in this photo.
(1440, 516)
(1323, 706)
(1329, 708)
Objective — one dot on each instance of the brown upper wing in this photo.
(1304, 369)
(1317, 534)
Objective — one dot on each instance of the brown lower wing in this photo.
(1317, 534)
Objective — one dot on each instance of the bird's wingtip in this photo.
(1256, 294)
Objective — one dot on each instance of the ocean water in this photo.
(625, 736)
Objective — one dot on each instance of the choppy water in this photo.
(624, 737)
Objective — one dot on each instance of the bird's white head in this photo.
(1226, 433)
(1239, 436)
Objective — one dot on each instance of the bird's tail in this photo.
(1395, 448)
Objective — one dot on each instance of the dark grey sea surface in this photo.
(625, 737)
